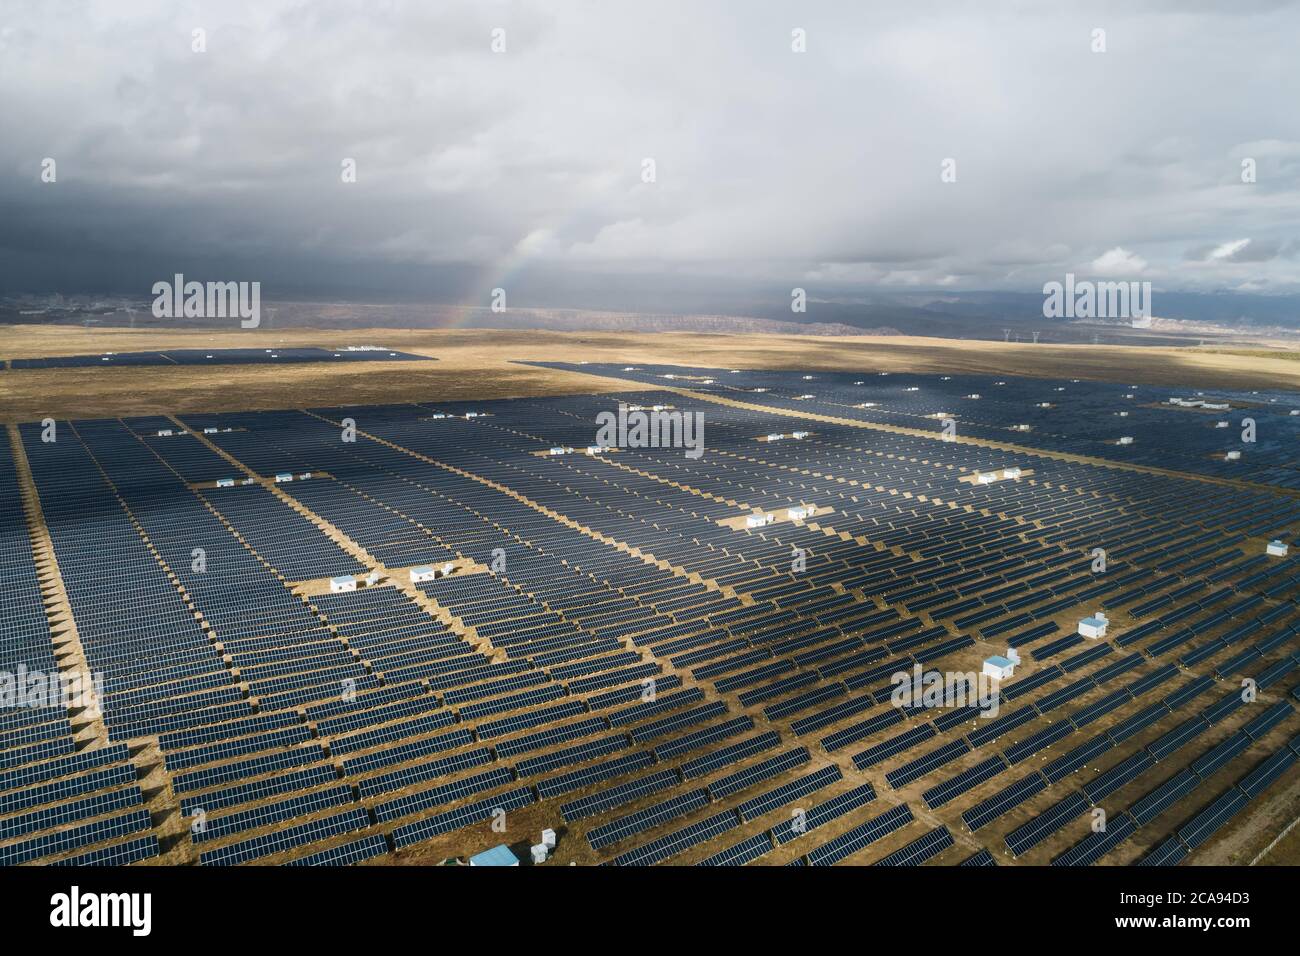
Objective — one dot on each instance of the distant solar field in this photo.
(642, 670)
(284, 356)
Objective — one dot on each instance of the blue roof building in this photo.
(497, 856)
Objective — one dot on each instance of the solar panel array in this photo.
(617, 652)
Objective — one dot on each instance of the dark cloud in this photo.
(476, 169)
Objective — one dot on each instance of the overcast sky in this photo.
(474, 167)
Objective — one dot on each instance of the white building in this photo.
(283, 477)
(548, 838)
(986, 477)
(1232, 456)
(164, 432)
(1125, 440)
(225, 482)
(539, 853)
(1277, 548)
(422, 573)
(999, 667)
(1094, 626)
(799, 434)
(801, 512)
(758, 521)
(1012, 472)
(344, 582)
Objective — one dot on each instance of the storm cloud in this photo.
(475, 168)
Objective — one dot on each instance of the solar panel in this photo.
(1170, 852)
(1046, 823)
(620, 795)
(987, 811)
(741, 853)
(287, 839)
(75, 838)
(624, 827)
(1097, 844)
(968, 779)
(860, 836)
(707, 735)
(920, 850)
(119, 854)
(1266, 772)
(823, 813)
(1202, 826)
(730, 754)
(355, 851)
(461, 817)
(678, 842)
(1161, 798)
(214, 828)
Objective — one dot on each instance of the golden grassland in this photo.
(480, 364)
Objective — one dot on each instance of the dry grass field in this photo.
(484, 364)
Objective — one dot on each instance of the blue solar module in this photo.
(620, 795)
(823, 813)
(461, 817)
(119, 854)
(919, 850)
(623, 828)
(286, 839)
(729, 754)
(85, 835)
(1046, 823)
(1201, 827)
(1161, 798)
(741, 853)
(860, 837)
(1171, 852)
(678, 841)
(1266, 772)
(1098, 843)
(356, 851)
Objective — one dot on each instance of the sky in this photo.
(478, 168)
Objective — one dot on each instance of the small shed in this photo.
(422, 572)
(999, 667)
(1277, 548)
(1094, 626)
(344, 582)
(283, 477)
(225, 482)
(500, 855)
